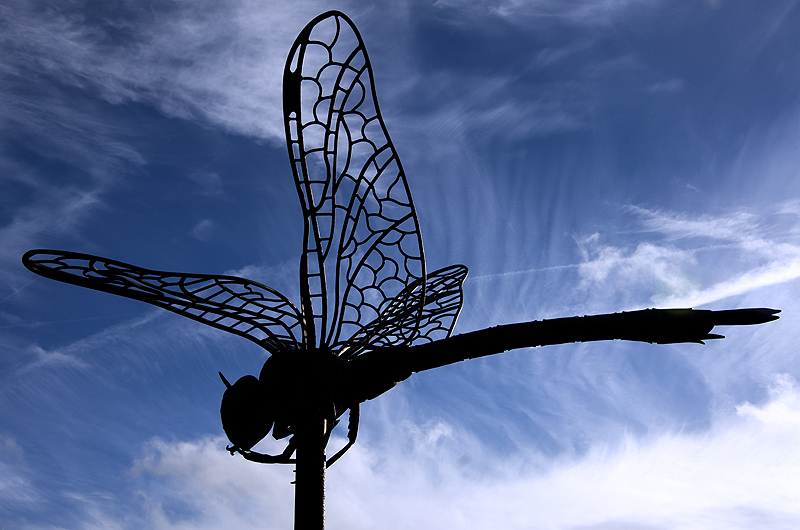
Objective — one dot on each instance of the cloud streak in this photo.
(779, 271)
(577, 12)
(751, 255)
(169, 56)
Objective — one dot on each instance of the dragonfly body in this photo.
(294, 387)
(317, 382)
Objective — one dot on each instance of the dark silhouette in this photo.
(370, 315)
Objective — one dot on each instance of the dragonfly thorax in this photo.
(291, 387)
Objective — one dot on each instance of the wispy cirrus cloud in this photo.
(215, 62)
(88, 152)
(779, 271)
(469, 107)
(749, 254)
(574, 12)
(61, 130)
(53, 360)
(57, 210)
(735, 226)
(66, 67)
(15, 486)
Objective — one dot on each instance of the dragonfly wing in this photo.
(362, 241)
(400, 324)
(242, 307)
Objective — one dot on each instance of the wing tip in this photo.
(37, 266)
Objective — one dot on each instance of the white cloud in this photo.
(784, 409)
(774, 273)
(203, 230)
(199, 485)
(736, 226)
(645, 264)
(669, 86)
(217, 62)
(222, 63)
(739, 474)
(743, 253)
(53, 359)
(209, 183)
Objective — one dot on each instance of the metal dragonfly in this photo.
(370, 314)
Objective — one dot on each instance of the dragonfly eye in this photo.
(245, 419)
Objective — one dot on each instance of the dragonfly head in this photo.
(245, 419)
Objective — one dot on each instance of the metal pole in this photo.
(309, 489)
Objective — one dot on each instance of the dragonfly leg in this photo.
(261, 458)
(352, 432)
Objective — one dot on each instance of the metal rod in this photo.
(309, 489)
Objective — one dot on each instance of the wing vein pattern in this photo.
(362, 242)
(239, 306)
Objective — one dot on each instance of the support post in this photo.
(309, 489)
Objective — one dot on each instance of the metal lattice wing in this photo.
(243, 307)
(401, 324)
(362, 241)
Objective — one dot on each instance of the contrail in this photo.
(515, 273)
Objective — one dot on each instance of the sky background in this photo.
(578, 156)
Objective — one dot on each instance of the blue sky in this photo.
(578, 156)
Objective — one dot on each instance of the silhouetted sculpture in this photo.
(370, 315)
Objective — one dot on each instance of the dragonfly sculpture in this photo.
(370, 315)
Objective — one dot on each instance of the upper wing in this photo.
(240, 306)
(362, 242)
(401, 324)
